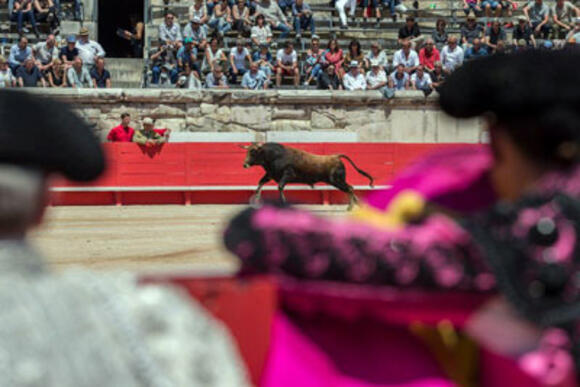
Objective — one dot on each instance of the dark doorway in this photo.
(115, 16)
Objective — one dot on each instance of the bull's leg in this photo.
(258, 195)
(286, 177)
(338, 180)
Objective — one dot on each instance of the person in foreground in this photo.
(77, 328)
(498, 221)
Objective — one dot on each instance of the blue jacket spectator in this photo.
(475, 51)
(302, 18)
(254, 79)
(264, 59)
(19, 53)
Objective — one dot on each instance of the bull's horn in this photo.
(243, 146)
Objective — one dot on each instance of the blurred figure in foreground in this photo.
(78, 328)
(498, 221)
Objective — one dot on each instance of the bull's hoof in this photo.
(255, 201)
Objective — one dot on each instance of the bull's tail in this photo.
(357, 169)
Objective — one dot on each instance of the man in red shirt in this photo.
(123, 132)
(428, 55)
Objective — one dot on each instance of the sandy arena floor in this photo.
(142, 238)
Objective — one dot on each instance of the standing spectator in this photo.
(189, 79)
(470, 30)
(354, 80)
(170, 32)
(355, 54)
(149, 136)
(438, 76)
(221, 19)
(328, 79)
(197, 33)
(238, 58)
(471, 6)
(123, 132)
(374, 5)
(263, 58)
(187, 54)
(216, 79)
(302, 18)
(287, 64)
(29, 75)
(399, 79)
(494, 34)
(69, 52)
(376, 78)
(334, 56)
(213, 54)
(24, 9)
(378, 55)
(274, 16)
(163, 65)
(19, 53)
(255, 79)
(199, 10)
(429, 55)
(410, 32)
(241, 16)
(45, 52)
(340, 6)
(261, 32)
(538, 14)
(100, 75)
(563, 14)
(89, 50)
(78, 76)
(57, 74)
(440, 34)
(491, 5)
(135, 35)
(451, 55)
(314, 61)
(476, 50)
(394, 5)
(420, 80)
(407, 57)
(45, 11)
(6, 77)
(523, 31)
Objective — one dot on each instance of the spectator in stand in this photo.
(399, 79)
(314, 61)
(374, 4)
(148, 136)
(394, 7)
(440, 34)
(563, 14)
(575, 33)
(7, 79)
(199, 10)
(56, 75)
(420, 80)
(45, 11)
(123, 132)
(28, 75)
(221, 19)
(494, 34)
(22, 9)
(285, 5)
(302, 18)
(340, 6)
(378, 55)
(410, 32)
(163, 65)
(69, 52)
(451, 55)
(170, 32)
(471, 6)
(255, 79)
(238, 58)
(328, 80)
(538, 15)
(100, 75)
(354, 79)
(274, 16)
(241, 16)
(189, 79)
(523, 31)
(197, 33)
(355, 54)
(89, 50)
(78, 76)
(135, 35)
(491, 5)
(470, 30)
(429, 55)
(261, 32)
(407, 57)
(334, 56)
(213, 55)
(376, 78)
(187, 54)
(216, 79)
(77, 6)
(263, 58)
(476, 50)
(45, 52)
(19, 53)
(287, 64)
(438, 76)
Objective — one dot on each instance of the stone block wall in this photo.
(294, 115)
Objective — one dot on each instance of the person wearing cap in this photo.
(22, 9)
(410, 32)
(429, 54)
(287, 64)
(494, 34)
(261, 32)
(523, 32)
(197, 33)
(452, 55)
(354, 79)
(123, 132)
(241, 17)
(314, 61)
(378, 55)
(187, 54)
(240, 58)
(407, 57)
(7, 79)
(303, 18)
(89, 50)
(69, 52)
(199, 10)
(538, 15)
(491, 5)
(19, 52)
(255, 79)
(475, 51)
(82, 328)
(221, 18)
(263, 57)
(575, 33)
(274, 16)
(100, 75)
(376, 78)
(28, 75)
(470, 30)
(563, 14)
(148, 136)
(170, 32)
(78, 76)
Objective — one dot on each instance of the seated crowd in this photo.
(35, 11)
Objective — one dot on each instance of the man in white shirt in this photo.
(376, 78)
(170, 32)
(89, 50)
(238, 58)
(407, 57)
(421, 80)
(399, 79)
(45, 53)
(6, 77)
(354, 80)
(451, 55)
(287, 64)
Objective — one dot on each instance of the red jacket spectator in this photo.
(428, 58)
(121, 134)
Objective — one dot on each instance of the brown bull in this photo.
(285, 165)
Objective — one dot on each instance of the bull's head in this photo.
(253, 155)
